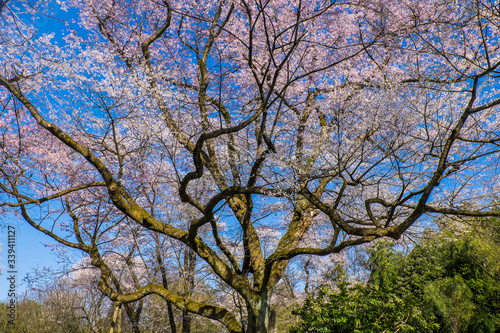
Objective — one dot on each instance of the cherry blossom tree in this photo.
(252, 133)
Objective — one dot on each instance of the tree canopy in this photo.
(249, 133)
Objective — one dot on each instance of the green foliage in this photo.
(32, 316)
(354, 309)
(448, 283)
(451, 298)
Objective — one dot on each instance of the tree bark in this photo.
(261, 319)
(116, 322)
(164, 280)
(134, 315)
(189, 271)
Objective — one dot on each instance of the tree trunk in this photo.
(159, 259)
(134, 315)
(261, 319)
(189, 272)
(116, 323)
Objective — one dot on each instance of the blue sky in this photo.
(31, 249)
(31, 252)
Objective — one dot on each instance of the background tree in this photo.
(447, 283)
(328, 123)
(58, 308)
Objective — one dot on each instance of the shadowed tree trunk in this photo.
(189, 280)
(163, 272)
